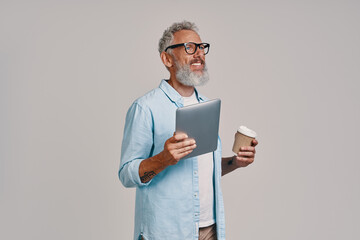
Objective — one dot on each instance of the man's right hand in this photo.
(177, 147)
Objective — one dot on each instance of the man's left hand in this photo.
(246, 155)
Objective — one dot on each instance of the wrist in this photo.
(161, 159)
(231, 161)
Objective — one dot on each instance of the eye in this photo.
(190, 47)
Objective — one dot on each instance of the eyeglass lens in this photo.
(191, 48)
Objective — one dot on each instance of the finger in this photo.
(184, 143)
(248, 149)
(178, 137)
(254, 142)
(246, 159)
(241, 160)
(185, 149)
(175, 147)
(183, 154)
(245, 154)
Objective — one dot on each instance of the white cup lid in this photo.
(246, 131)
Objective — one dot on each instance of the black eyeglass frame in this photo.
(206, 45)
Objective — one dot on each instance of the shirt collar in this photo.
(174, 96)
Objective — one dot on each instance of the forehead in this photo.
(184, 36)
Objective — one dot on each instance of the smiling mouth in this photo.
(197, 66)
(197, 62)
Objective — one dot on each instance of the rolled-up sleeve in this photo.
(137, 144)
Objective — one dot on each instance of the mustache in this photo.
(197, 60)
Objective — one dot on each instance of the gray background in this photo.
(69, 70)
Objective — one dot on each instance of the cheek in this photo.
(187, 61)
(182, 59)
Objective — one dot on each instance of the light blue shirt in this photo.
(168, 206)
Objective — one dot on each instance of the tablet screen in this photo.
(201, 122)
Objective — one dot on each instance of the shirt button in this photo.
(195, 173)
(195, 195)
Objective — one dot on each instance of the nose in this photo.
(199, 52)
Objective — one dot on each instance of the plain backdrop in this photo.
(69, 70)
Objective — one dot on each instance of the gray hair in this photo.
(168, 34)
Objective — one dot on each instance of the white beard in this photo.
(189, 78)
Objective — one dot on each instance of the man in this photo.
(175, 199)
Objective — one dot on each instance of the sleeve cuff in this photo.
(129, 174)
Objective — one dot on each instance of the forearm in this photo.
(227, 165)
(150, 167)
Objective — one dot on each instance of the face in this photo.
(196, 61)
(190, 70)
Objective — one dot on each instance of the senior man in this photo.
(175, 199)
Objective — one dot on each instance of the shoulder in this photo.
(149, 99)
(141, 109)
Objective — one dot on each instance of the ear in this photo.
(166, 59)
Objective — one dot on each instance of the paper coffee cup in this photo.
(243, 137)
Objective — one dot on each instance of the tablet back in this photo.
(201, 122)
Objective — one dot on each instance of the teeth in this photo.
(196, 64)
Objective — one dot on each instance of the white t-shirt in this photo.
(206, 187)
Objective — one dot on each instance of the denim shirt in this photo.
(168, 206)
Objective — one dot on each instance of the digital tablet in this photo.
(201, 122)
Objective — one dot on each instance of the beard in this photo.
(189, 78)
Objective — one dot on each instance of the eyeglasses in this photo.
(191, 47)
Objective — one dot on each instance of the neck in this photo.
(183, 90)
